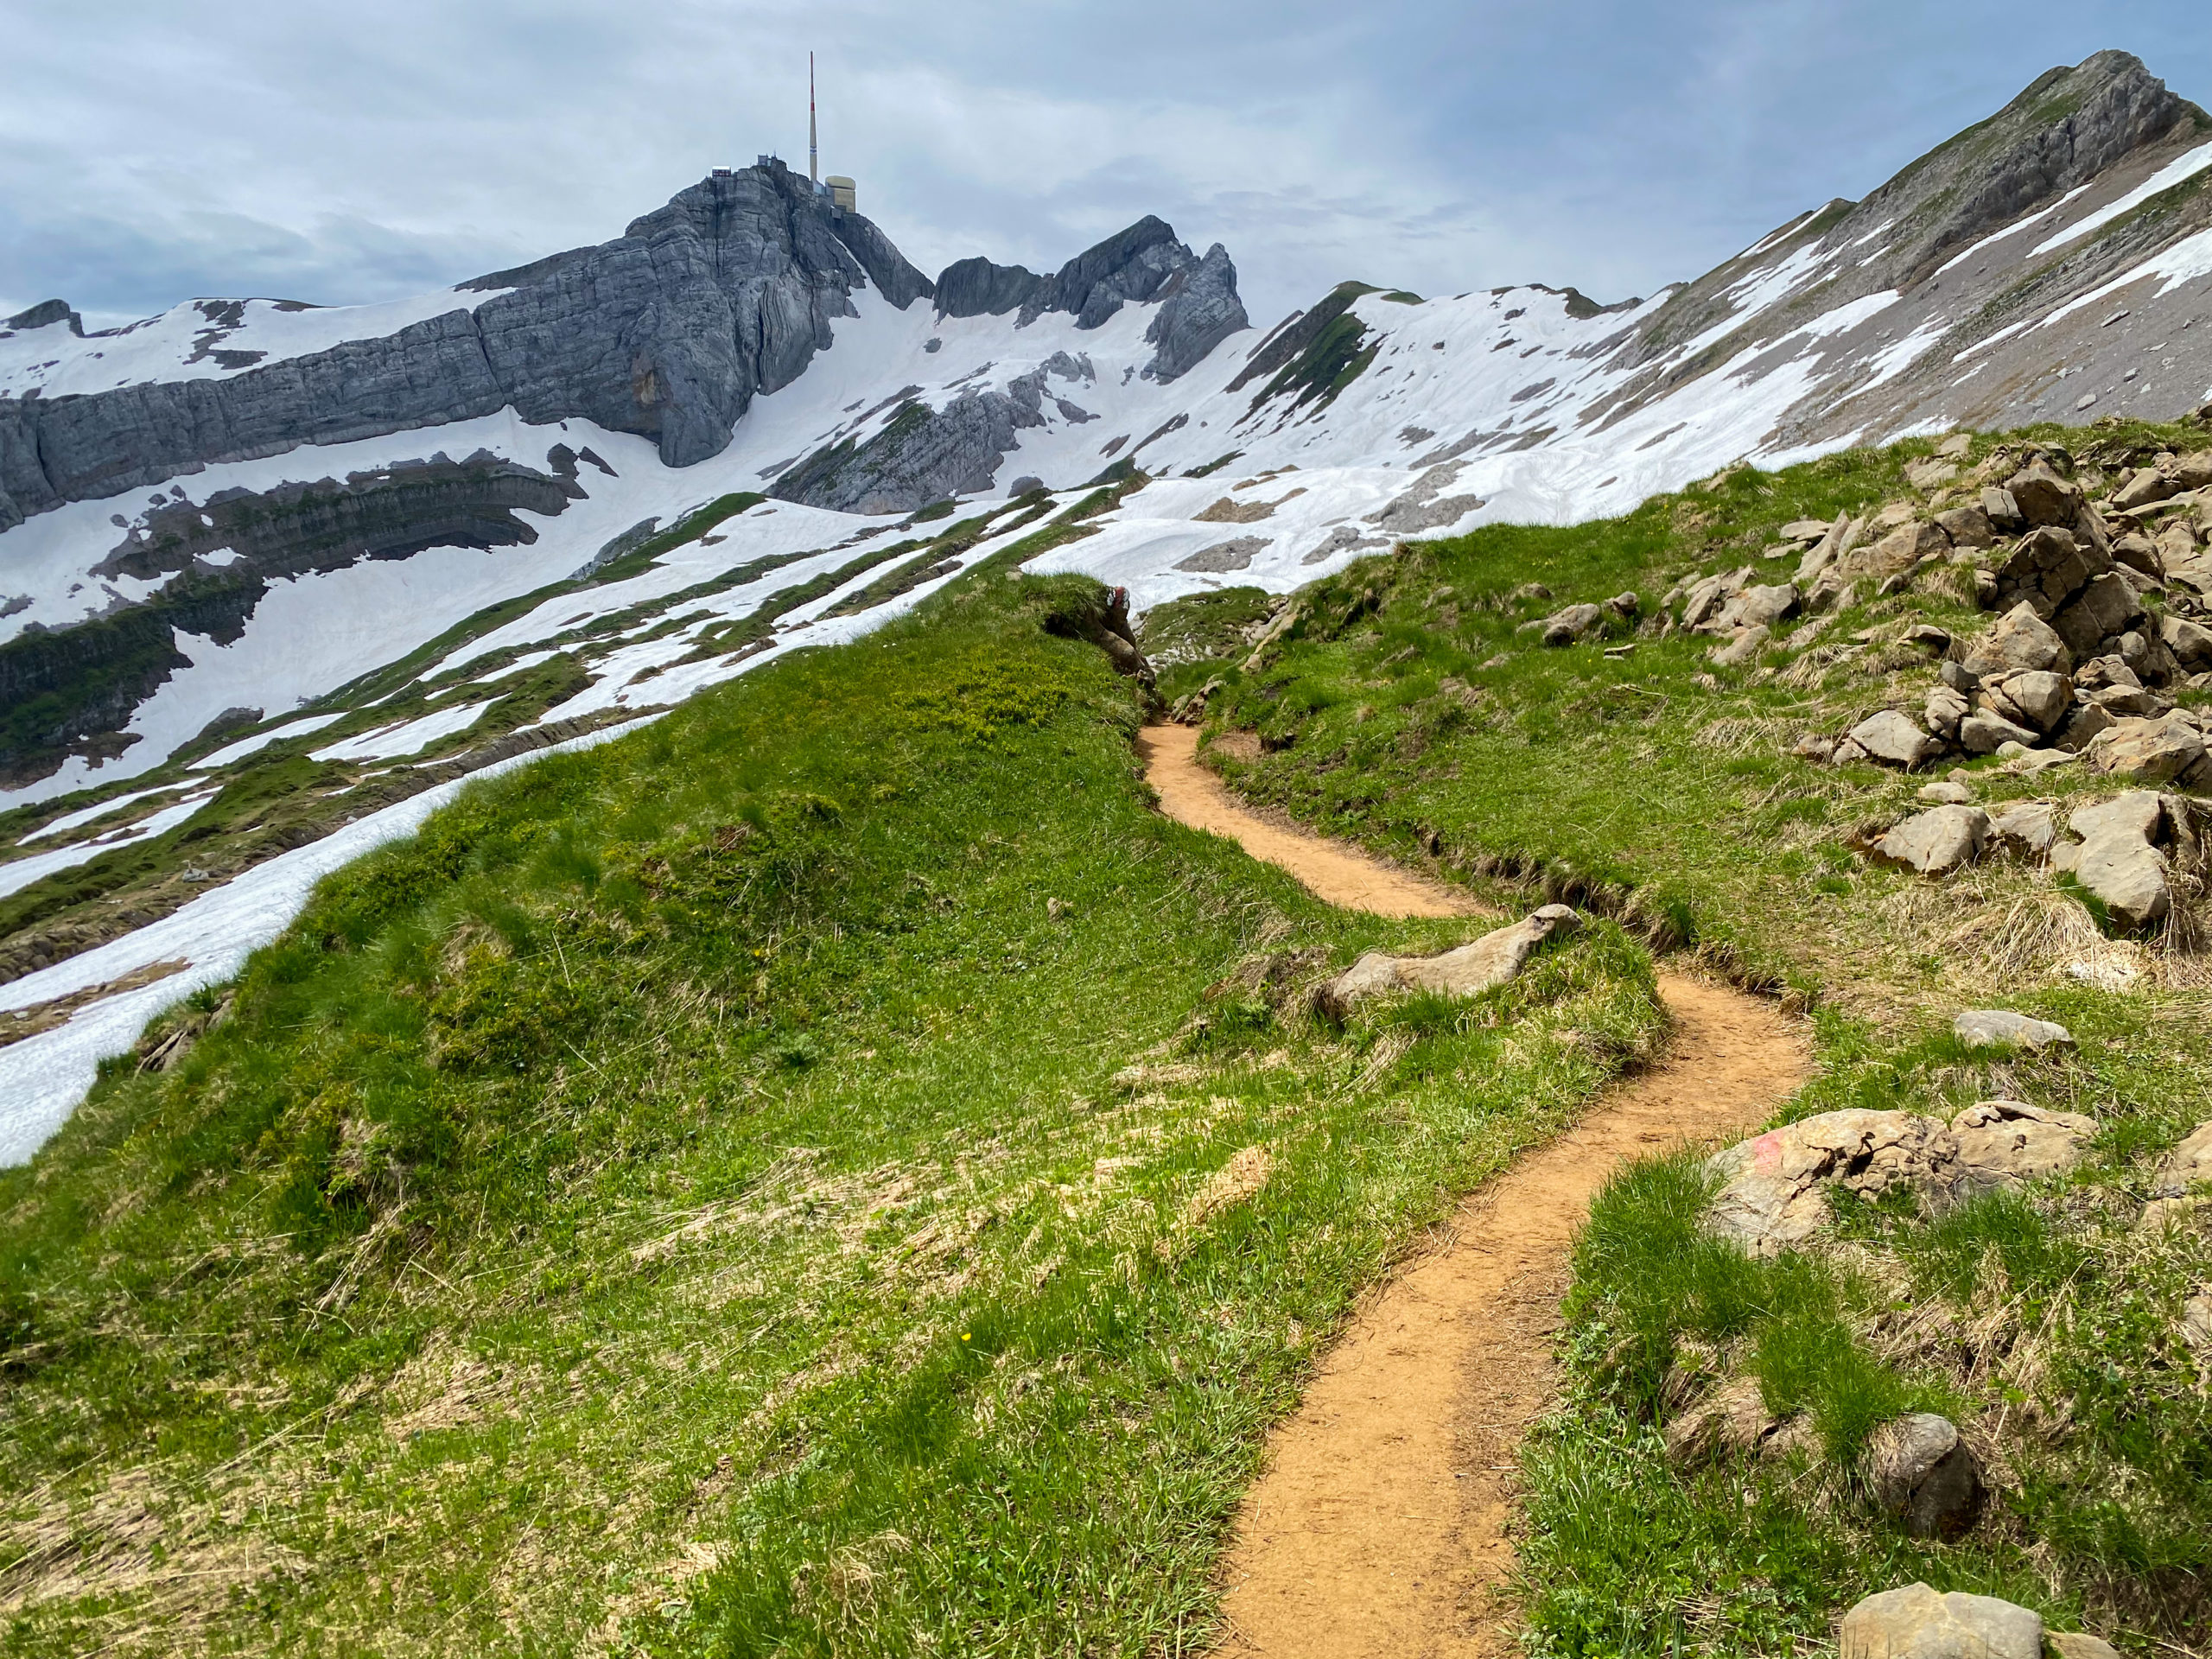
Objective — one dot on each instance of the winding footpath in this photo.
(1379, 1528)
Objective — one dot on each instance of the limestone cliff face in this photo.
(926, 456)
(669, 331)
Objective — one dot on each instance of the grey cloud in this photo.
(152, 150)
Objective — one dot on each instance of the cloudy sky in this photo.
(152, 150)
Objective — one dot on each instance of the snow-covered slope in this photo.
(387, 601)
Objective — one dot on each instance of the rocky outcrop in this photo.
(1773, 1186)
(1198, 308)
(926, 455)
(977, 288)
(73, 690)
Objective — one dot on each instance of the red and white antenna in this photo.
(811, 170)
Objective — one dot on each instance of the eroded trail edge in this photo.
(1379, 1527)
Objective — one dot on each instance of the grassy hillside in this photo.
(832, 1171)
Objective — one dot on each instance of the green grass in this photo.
(769, 1184)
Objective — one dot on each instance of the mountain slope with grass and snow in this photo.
(311, 563)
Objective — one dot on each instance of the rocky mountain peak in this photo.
(2062, 131)
(1138, 265)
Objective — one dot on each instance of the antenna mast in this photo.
(812, 170)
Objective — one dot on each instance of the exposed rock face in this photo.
(977, 288)
(1491, 960)
(1772, 1195)
(72, 685)
(926, 456)
(1199, 305)
(669, 331)
(1916, 1622)
(1198, 308)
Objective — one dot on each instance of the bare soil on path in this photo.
(1379, 1528)
(1341, 874)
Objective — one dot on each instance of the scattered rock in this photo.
(1916, 1623)
(1893, 740)
(1967, 527)
(2004, 511)
(1929, 473)
(1896, 553)
(1472, 968)
(1836, 540)
(1946, 793)
(2042, 496)
(1760, 607)
(1942, 714)
(1741, 649)
(2148, 485)
(1924, 1474)
(1574, 623)
(1732, 1420)
(2106, 606)
(1936, 842)
(2001, 1028)
(2190, 1162)
(2026, 828)
(2020, 642)
(2035, 697)
(1986, 733)
(2191, 642)
(2149, 751)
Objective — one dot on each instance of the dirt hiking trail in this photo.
(1379, 1527)
(1343, 876)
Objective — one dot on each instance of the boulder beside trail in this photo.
(1935, 843)
(2001, 1141)
(1772, 1198)
(2001, 1028)
(1917, 1622)
(1924, 1476)
(1771, 1195)
(1491, 960)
